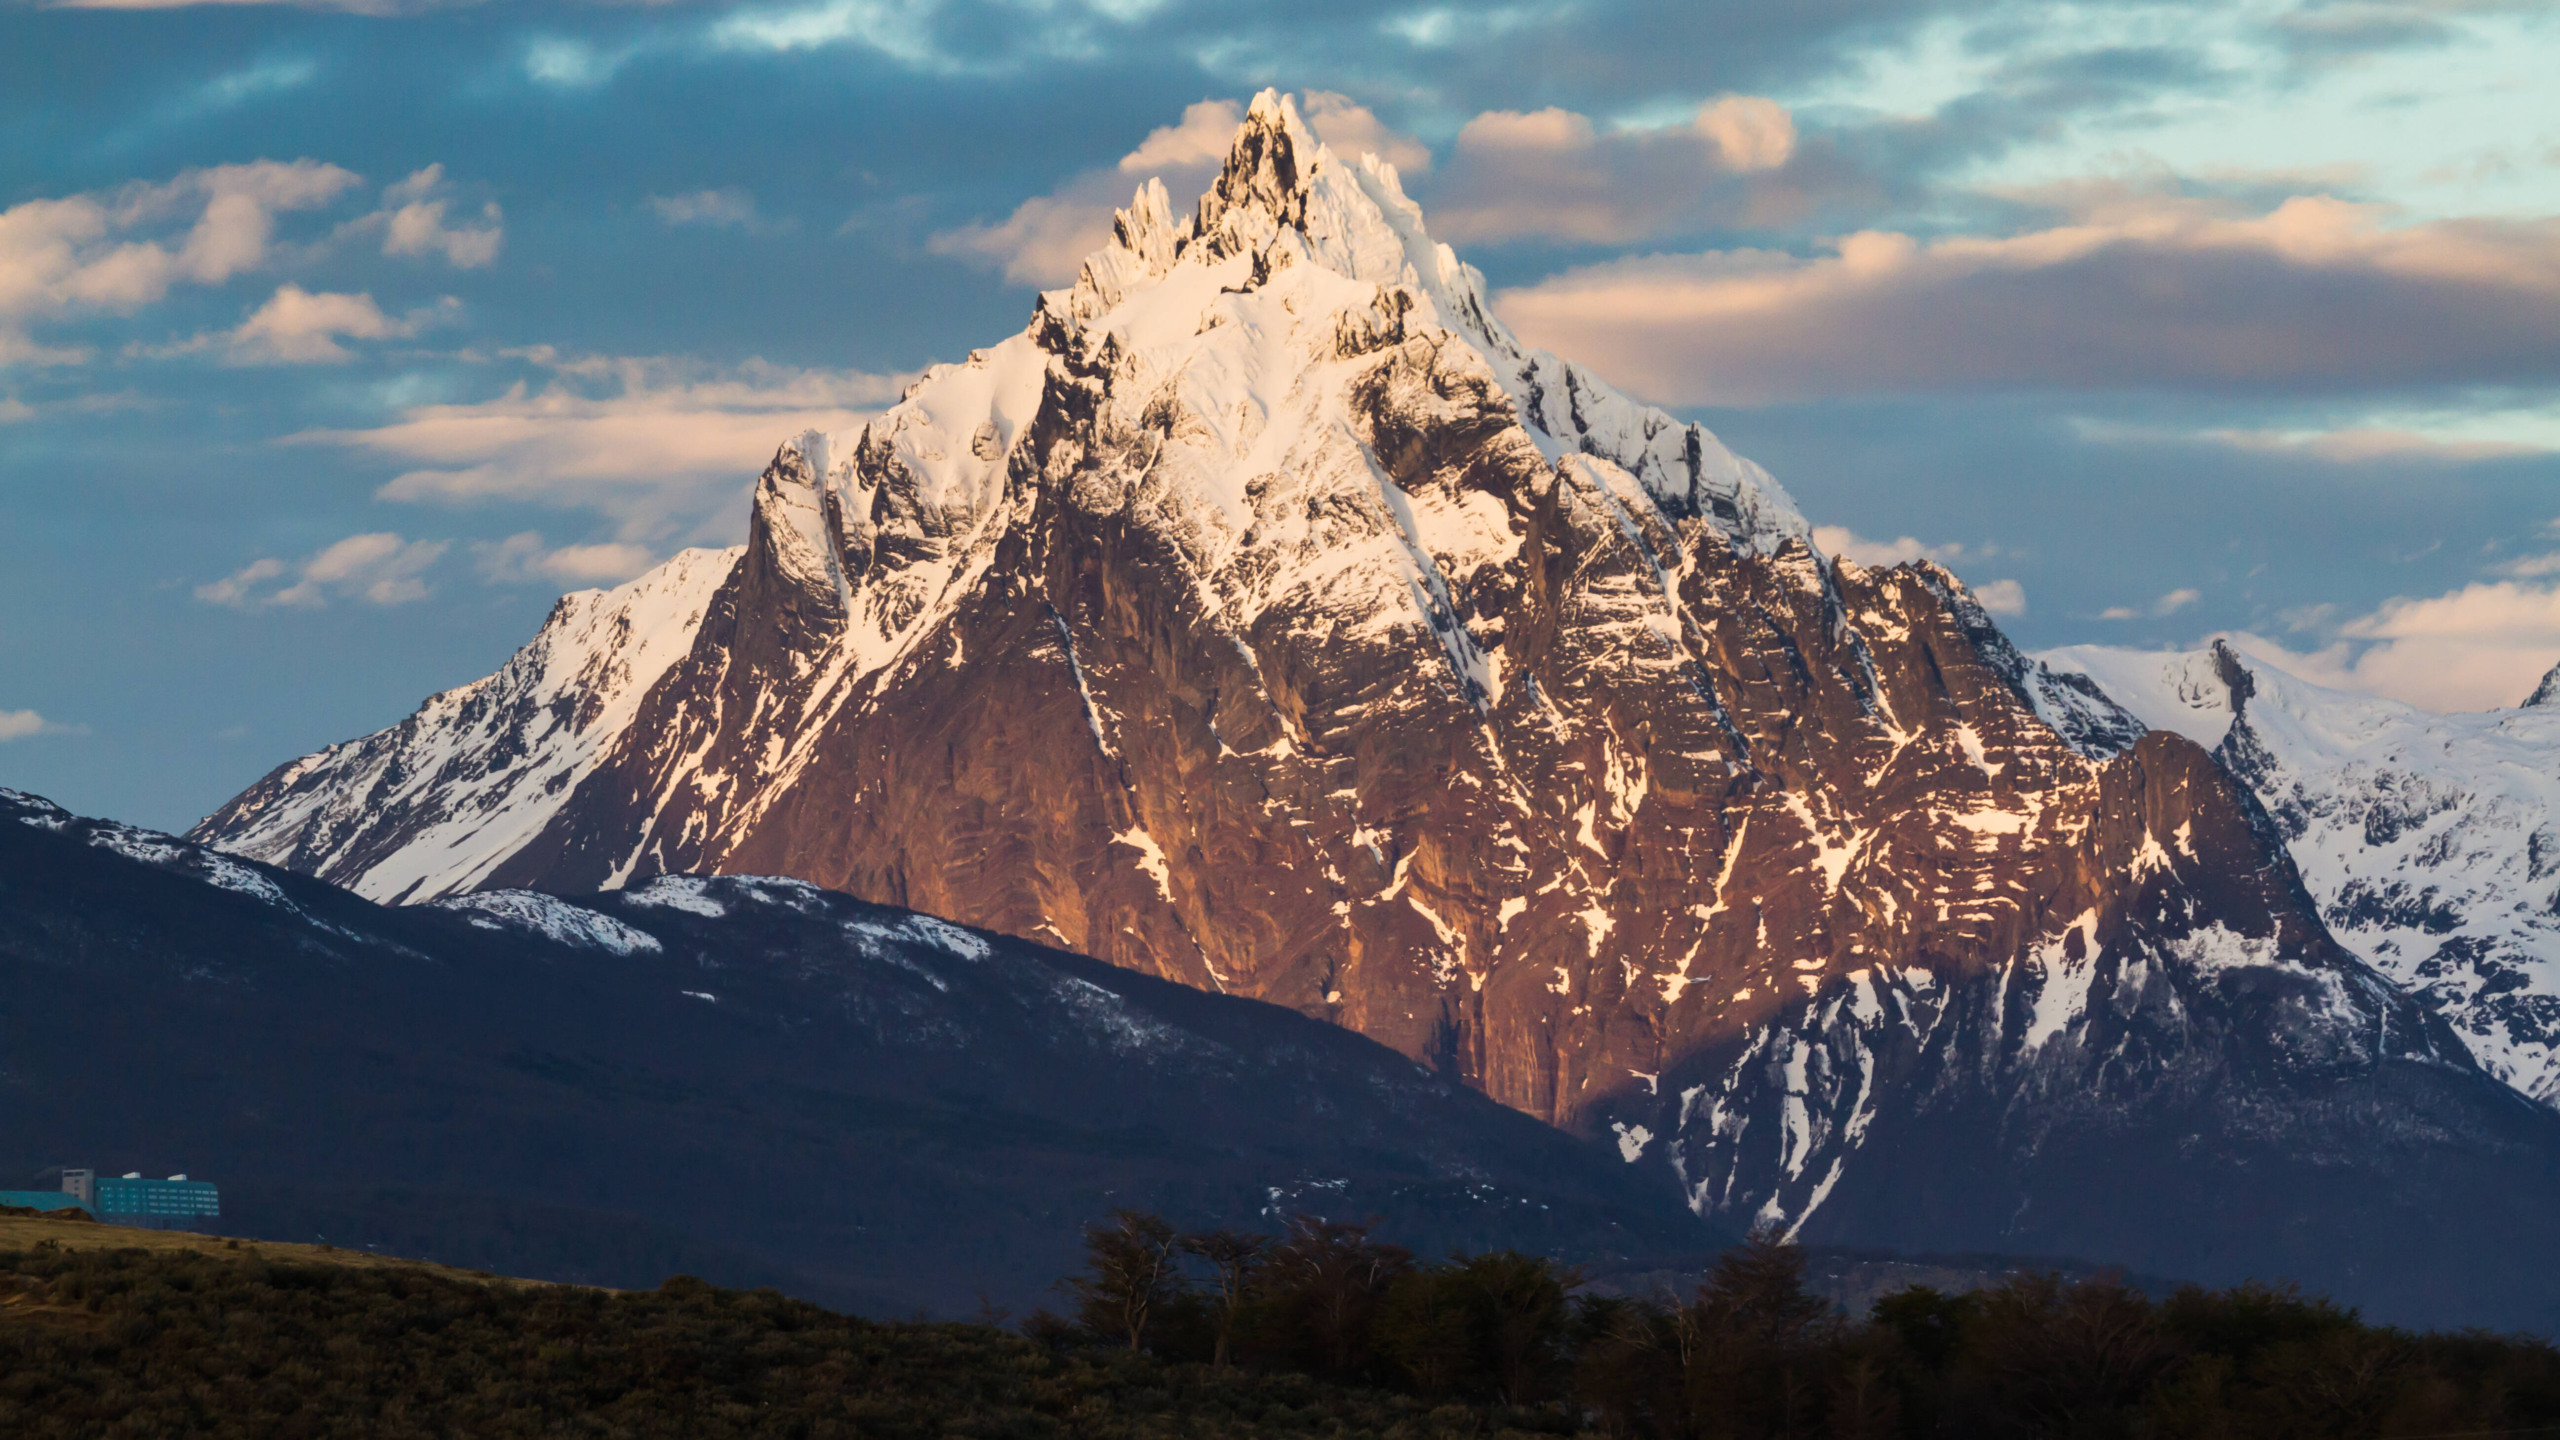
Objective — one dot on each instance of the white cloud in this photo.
(2481, 647)
(381, 568)
(1046, 238)
(523, 557)
(1556, 174)
(1349, 130)
(1841, 540)
(731, 207)
(2354, 445)
(571, 63)
(649, 442)
(2134, 288)
(2002, 597)
(412, 221)
(298, 327)
(26, 724)
(2169, 604)
(115, 251)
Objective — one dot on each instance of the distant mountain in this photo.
(2430, 842)
(752, 1080)
(1265, 616)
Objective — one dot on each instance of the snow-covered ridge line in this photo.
(2430, 841)
(431, 806)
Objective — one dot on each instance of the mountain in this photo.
(1265, 617)
(2430, 842)
(749, 1079)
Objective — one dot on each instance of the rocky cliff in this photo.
(1265, 617)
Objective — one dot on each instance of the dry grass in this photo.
(24, 1232)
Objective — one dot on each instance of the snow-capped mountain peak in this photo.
(1264, 616)
(2430, 841)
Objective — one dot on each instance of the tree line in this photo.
(1752, 1353)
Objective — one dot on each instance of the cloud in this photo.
(731, 207)
(14, 411)
(1554, 174)
(523, 557)
(1046, 238)
(115, 251)
(296, 327)
(353, 7)
(2356, 445)
(381, 568)
(412, 222)
(2002, 597)
(27, 724)
(2477, 648)
(2169, 604)
(1349, 130)
(646, 441)
(2136, 290)
(1841, 540)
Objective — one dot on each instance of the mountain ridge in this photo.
(740, 1077)
(2430, 842)
(1262, 617)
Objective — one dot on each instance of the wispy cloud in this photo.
(298, 327)
(1045, 239)
(380, 568)
(647, 441)
(2137, 290)
(2166, 605)
(732, 208)
(523, 558)
(1555, 174)
(2476, 648)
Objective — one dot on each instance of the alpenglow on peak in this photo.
(1264, 616)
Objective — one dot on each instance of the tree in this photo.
(1318, 1291)
(1232, 1256)
(1130, 1276)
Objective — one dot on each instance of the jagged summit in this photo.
(1264, 616)
(2546, 694)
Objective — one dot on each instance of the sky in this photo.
(337, 340)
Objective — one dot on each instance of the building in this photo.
(128, 1199)
(175, 1202)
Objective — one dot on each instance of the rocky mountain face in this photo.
(748, 1079)
(2430, 842)
(1265, 617)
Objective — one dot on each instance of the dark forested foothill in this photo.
(1319, 1331)
(1752, 1354)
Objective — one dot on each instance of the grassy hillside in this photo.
(108, 1333)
